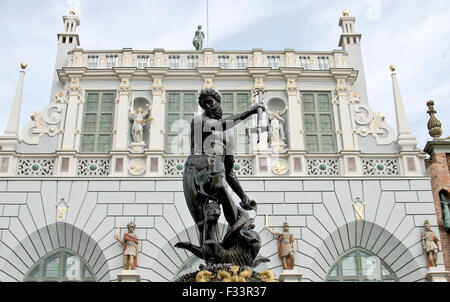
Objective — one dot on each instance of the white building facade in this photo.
(354, 192)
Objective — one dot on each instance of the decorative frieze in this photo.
(244, 166)
(35, 167)
(380, 167)
(323, 167)
(174, 166)
(93, 167)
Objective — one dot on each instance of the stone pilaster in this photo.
(72, 115)
(158, 116)
(343, 100)
(121, 131)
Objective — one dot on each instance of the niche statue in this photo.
(207, 174)
(138, 118)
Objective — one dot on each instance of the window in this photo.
(233, 103)
(318, 123)
(61, 266)
(97, 122)
(360, 266)
(180, 110)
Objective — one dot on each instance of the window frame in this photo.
(359, 276)
(318, 113)
(40, 264)
(181, 112)
(98, 132)
(235, 131)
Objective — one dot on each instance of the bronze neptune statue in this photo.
(208, 173)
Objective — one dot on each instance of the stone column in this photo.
(71, 120)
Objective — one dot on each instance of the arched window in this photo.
(360, 266)
(60, 266)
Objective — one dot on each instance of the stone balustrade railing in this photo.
(206, 58)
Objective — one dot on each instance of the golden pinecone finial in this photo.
(392, 68)
(23, 65)
(346, 13)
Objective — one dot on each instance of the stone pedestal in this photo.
(290, 276)
(129, 276)
(137, 147)
(437, 274)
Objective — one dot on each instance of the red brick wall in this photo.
(440, 179)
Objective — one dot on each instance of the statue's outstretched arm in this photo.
(232, 121)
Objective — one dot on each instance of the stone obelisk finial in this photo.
(434, 125)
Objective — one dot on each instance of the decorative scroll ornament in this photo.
(378, 128)
(45, 122)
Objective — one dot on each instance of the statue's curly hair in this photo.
(205, 93)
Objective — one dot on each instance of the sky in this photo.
(414, 35)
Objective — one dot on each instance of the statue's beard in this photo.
(215, 113)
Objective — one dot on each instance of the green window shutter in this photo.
(103, 143)
(90, 122)
(308, 103)
(318, 122)
(105, 121)
(108, 102)
(310, 123)
(227, 102)
(233, 103)
(92, 102)
(88, 143)
(97, 123)
(181, 109)
(189, 103)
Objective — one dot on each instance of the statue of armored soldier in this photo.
(430, 245)
(286, 250)
(208, 173)
(130, 247)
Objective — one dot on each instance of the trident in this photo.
(260, 128)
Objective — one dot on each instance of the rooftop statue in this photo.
(208, 173)
(199, 39)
